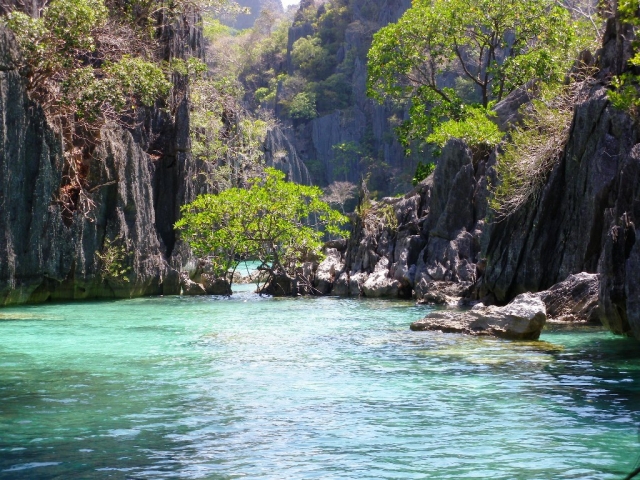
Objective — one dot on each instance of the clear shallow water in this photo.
(304, 388)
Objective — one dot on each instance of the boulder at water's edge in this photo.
(522, 319)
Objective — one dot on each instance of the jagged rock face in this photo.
(46, 256)
(181, 36)
(333, 129)
(378, 284)
(46, 253)
(507, 111)
(433, 235)
(573, 299)
(30, 161)
(363, 122)
(619, 264)
(582, 221)
(522, 319)
(561, 231)
(457, 208)
(326, 272)
(585, 217)
(281, 154)
(165, 133)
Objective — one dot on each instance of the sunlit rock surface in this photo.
(522, 319)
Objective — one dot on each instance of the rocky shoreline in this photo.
(573, 244)
(573, 301)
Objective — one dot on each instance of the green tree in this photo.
(85, 68)
(311, 58)
(270, 222)
(303, 106)
(499, 45)
(223, 134)
(423, 170)
(626, 86)
(57, 49)
(333, 93)
(345, 158)
(51, 43)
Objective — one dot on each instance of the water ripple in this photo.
(256, 387)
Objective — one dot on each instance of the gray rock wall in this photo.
(46, 253)
(281, 154)
(565, 224)
(584, 219)
(403, 245)
(363, 122)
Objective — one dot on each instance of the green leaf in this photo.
(274, 221)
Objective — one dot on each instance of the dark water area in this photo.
(253, 387)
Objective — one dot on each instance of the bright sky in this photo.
(286, 3)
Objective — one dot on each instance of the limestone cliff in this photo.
(281, 154)
(441, 242)
(359, 122)
(136, 182)
(584, 219)
(400, 246)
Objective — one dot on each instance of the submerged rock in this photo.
(215, 286)
(522, 319)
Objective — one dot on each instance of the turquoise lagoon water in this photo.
(253, 387)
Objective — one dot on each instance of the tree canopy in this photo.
(438, 46)
(274, 221)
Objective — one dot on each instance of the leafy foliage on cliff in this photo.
(270, 221)
(533, 148)
(423, 170)
(314, 67)
(224, 133)
(495, 46)
(315, 72)
(114, 262)
(626, 86)
(89, 63)
(78, 69)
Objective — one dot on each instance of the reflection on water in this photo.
(255, 387)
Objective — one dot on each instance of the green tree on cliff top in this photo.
(497, 45)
